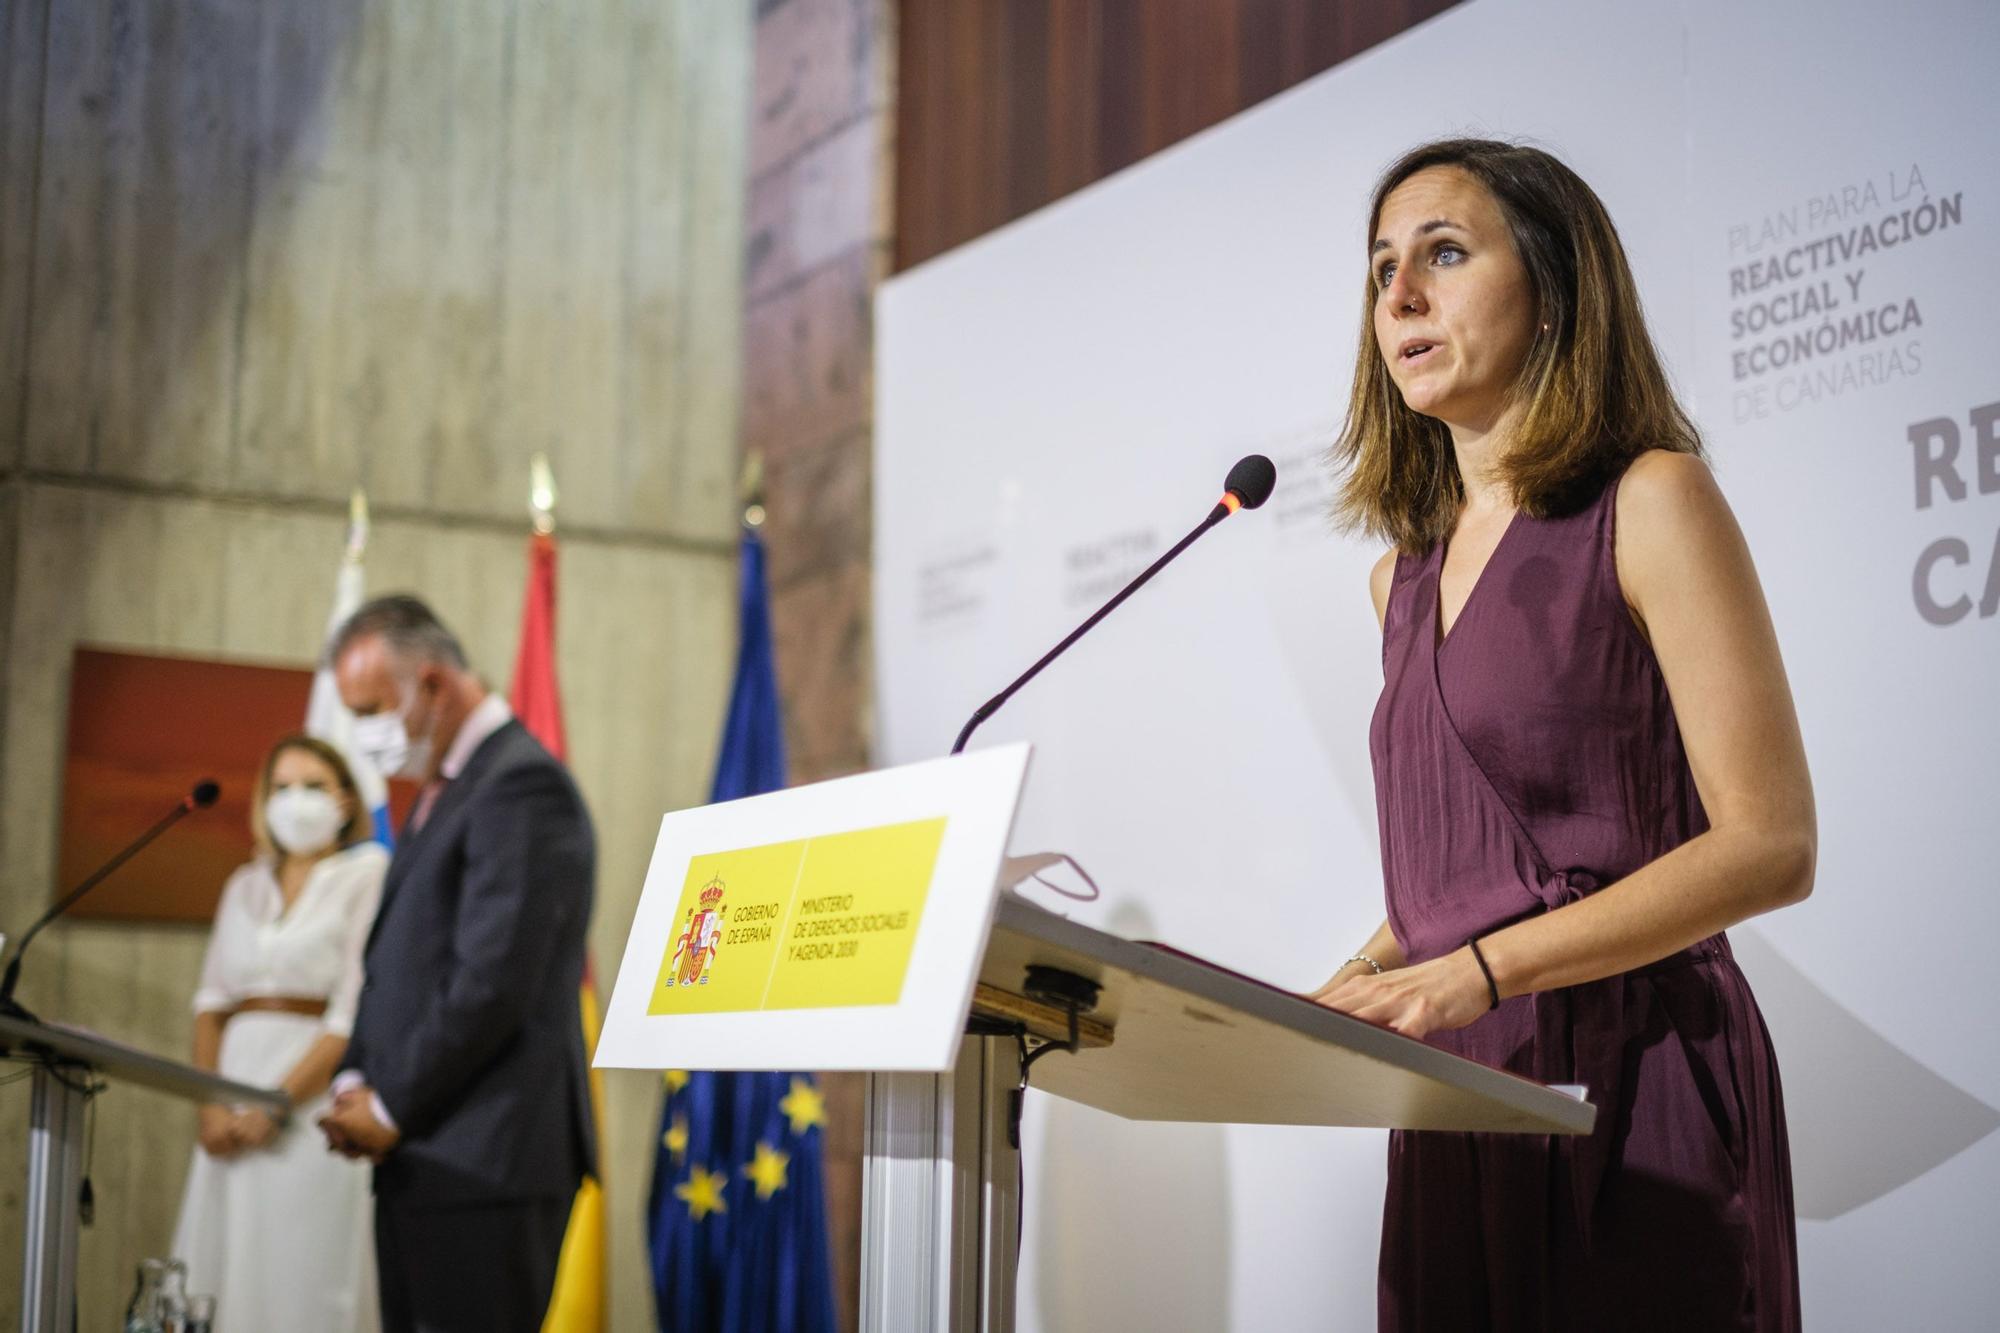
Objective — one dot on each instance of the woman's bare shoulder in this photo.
(1676, 534)
(1661, 487)
(1379, 580)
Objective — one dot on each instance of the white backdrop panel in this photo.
(1058, 402)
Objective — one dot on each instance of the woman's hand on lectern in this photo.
(1436, 996)
(1346, 972)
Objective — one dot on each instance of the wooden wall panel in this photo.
(1006, 105)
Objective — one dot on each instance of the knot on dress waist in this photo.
(1563, 887)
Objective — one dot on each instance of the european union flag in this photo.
(737, 1215)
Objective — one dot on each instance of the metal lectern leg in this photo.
(55, 1175)
(941, 1199)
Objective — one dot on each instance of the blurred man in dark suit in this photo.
(465, 1077)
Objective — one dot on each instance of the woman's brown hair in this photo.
(358, 823)
(1595, 393)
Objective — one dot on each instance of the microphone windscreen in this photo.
(1252, 480)
(204, 793)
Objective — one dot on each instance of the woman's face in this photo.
(303, 768)
(1454, 309)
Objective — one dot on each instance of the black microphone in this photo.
(1247, 486)
(200, 798)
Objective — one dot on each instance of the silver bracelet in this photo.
(1364, 958)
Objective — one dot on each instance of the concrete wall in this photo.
(253, 256)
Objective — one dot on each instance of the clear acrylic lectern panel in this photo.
(68, 1062)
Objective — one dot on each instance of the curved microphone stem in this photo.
(69, 899)
(991, 706)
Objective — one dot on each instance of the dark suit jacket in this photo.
(468, 1027)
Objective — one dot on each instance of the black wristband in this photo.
(1492, 991)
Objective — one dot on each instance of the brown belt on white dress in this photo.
(280, 1004)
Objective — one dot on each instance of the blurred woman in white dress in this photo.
(278, 1228)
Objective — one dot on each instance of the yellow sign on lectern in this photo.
(838, 925)
(808, 924)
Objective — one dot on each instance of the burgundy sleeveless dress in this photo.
(1524, 762)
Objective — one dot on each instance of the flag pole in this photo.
(357, 526)
(750, 489)
(542, 495)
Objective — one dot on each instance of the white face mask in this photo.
(303, 820)
(384, 740)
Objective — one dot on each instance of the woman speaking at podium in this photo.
(1587, 766)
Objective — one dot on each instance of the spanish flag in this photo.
(578, 1303)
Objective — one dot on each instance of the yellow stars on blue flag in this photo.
(803, 1106)
(675, 1140)
(767, 1169)
(706, 1187)
(702, 1192)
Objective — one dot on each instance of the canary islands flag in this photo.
(326, 716)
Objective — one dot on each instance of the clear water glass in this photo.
(200, 1315)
